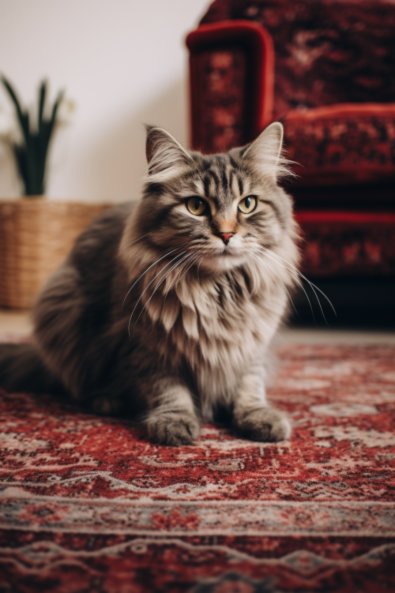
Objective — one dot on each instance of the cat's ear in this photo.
(165, 156)
(264, 153)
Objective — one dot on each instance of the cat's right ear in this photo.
(165, 156)
(265, 153)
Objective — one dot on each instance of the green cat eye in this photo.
(248, 204)
(196, 206)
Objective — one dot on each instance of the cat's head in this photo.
(223, 209)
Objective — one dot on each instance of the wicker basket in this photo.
(35, 236)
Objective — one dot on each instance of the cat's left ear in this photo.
(165, 156)
(264, 153)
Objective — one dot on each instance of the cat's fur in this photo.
(155, 314)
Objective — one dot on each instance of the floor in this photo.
(19, 323)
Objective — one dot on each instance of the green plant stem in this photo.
(32, 155)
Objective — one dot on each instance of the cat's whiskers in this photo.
(271, 256)
(137, 239)
(289, 295)
(156, 287)
(181, 272)
(314, 287)
(161, 271)
(193, 260)
(145, 272)
(165, 274)
(268, 254)
(177, 262)
(180, 265)
(183, 265)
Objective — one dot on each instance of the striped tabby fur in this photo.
(168, 314)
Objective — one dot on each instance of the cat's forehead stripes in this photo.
(218, 178)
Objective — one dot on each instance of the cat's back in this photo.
(81, 288)
(75, 308)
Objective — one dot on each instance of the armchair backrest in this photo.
(326, 51)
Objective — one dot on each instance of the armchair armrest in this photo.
(231, 83)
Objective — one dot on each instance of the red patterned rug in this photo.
(87, 505)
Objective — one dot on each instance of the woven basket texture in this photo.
(35, 237)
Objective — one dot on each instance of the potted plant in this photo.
(31, 153)
(35, 233)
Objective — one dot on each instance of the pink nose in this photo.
(226, 237)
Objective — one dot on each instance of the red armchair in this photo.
(326, 69)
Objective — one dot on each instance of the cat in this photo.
(165, 310)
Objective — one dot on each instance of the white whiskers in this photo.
(162, 271)
(145, 272)
(315, 289)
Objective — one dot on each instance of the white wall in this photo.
(123, 62)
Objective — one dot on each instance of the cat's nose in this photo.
(226, 237)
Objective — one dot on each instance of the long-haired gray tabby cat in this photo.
(167, 309)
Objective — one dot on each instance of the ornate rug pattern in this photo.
(88, 505)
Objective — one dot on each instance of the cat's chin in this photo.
(222, 262)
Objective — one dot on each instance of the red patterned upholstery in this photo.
(326, 51)
(343, 243)
(326, 69)
(342, 143)
(231, 83)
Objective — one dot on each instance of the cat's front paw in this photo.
(173, 428)
(263, 424)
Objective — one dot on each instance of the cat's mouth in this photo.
(225, 259)
(229, 251)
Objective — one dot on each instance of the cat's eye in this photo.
(196, 206)
(248, 204)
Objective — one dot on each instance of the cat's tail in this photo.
(21, 369)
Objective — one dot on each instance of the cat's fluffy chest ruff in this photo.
(218, 325)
